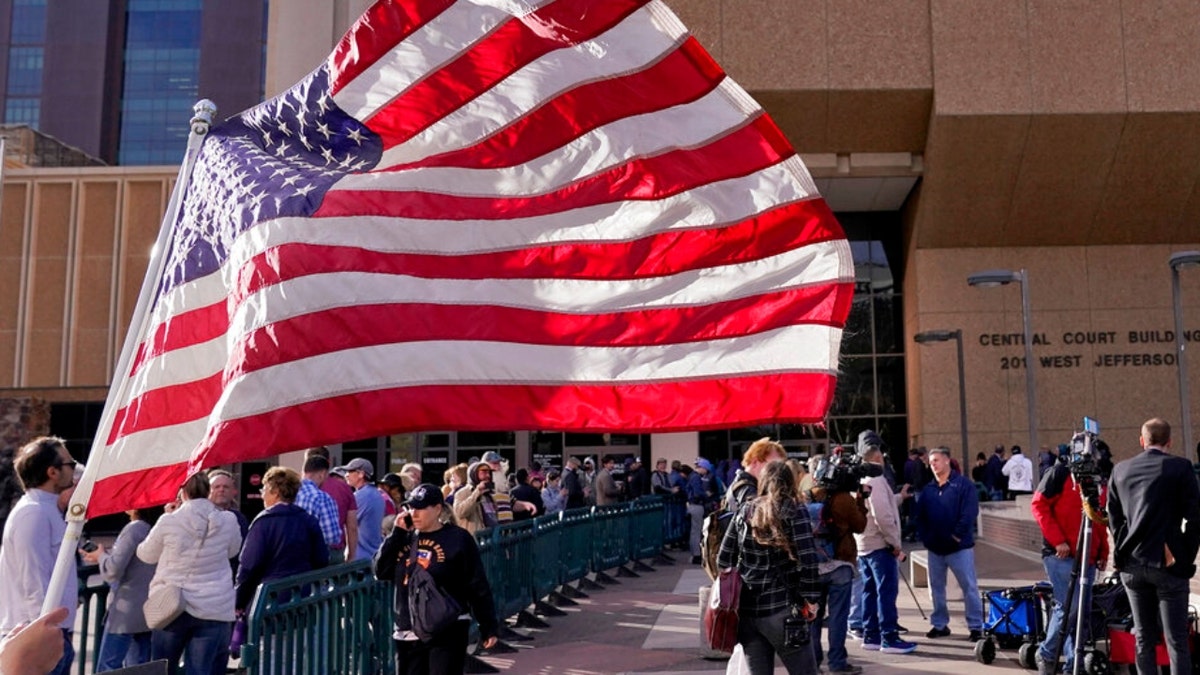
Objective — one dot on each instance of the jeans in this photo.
(1058, 571)
(854, 620)
(696, 513)
(881, 584)
(762, 638)
(204, 645)
(1158, 600)
(835, 601)
(962, 564)
(64, 664)
(445, 653)
(121, 650)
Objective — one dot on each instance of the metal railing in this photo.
(338, 621)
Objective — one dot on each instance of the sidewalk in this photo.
(651, 625)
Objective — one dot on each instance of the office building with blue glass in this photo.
(117, 78)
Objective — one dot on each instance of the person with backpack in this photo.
(837, 515)
(770, 543)
(879, 555)
(742, 488)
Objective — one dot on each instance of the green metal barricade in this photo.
(334, 621)
(645, 527)
(93, 608)
(507, 552)
(546, 574)
(576, 537)
(611, 547)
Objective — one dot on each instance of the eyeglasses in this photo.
(60, 464)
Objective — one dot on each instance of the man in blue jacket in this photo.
(946, 512)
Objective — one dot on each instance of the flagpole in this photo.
(202, 119)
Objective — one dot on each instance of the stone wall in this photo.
(21, 419)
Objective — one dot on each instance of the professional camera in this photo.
(844, 471)
(1084, 461)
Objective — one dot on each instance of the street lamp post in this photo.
(956, 335)
(1177, 262)
(991, 279)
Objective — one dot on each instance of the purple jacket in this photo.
(283, 540)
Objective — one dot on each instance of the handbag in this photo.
(430, 609)
(721, 614)
(165, 603)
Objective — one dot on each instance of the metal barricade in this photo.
(334, 621)
(546, 573)
(93, 600)
(507, 552)
(645, 527)
(611, 547)
(576, 537)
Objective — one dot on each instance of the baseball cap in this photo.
(359, 464)
(704, 464)
(424, 495)
(392, 480)
(491, 456)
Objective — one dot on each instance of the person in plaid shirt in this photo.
(771, 544)
(321, 506)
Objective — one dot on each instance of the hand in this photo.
(904, 491)
(490, 642)
(1168, 557)
(525, 506)
(34, 648)
(92, 557)
(900, 555)
(1062, 551)
(1101, 564)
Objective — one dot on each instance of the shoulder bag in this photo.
(721, 614)
(431, 609)
(165, 603)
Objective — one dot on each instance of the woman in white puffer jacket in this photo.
(192, 546)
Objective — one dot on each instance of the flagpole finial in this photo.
(203, 119)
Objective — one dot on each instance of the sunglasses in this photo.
(60, 464)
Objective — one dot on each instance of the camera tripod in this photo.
(1086, 661)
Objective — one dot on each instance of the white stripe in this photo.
(150, 448)
(809, 265)
(642, 41)
(727, 201)
(430, 47)
(805, 348)
(693, 124)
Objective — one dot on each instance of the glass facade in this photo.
(25, 63)
(162, 79)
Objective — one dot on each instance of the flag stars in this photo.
(355, 135)
(291, 180)
(283, 128)
(327, 153)
(305, 189)
(282, 150)
(323, 129)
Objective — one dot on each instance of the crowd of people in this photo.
(819, 543)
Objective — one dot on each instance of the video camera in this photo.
(844, 471)
(1084, 460)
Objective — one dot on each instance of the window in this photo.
(22, 111)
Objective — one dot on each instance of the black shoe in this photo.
(936, 632)
(695, 560)
(975, 636)
(901, 630)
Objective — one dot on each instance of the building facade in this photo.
(117, 78)
(950, 136)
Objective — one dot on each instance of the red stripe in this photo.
(138, 489)
(682, 76)
(193, 327)
(751, 148)
(359, 326)
(770, 233)
(510, 47)
(385, 24)
(676, 406)
(167, 406)
(767, 234)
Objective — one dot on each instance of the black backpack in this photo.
(715, 525)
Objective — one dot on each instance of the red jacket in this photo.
(1058, 509)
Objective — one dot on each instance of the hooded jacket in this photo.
(475, 511)
(190, 560)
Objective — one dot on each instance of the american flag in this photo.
(482, 215)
